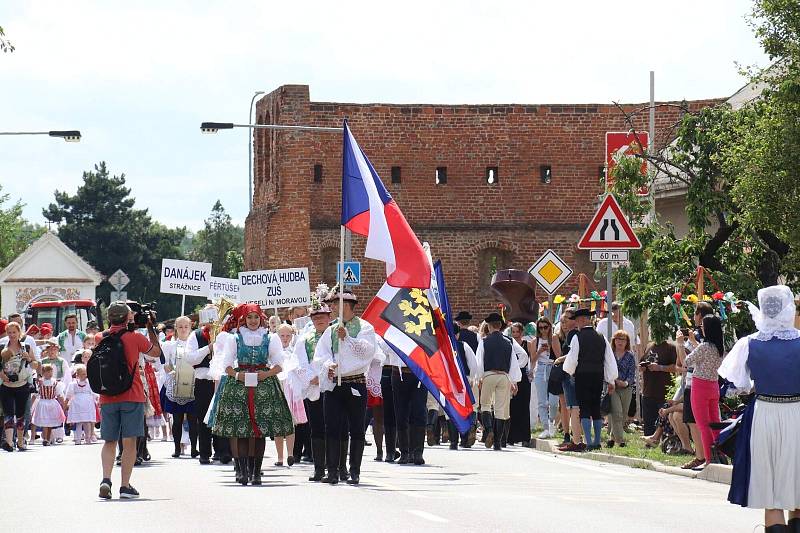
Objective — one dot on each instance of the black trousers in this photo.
(14, 400)
(388, 398)
(650, 407)
(410, 399)
(344, 410)
(203, 394)
(316, 417)
(588, 392)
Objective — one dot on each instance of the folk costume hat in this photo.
(52, 341)
(46, 329)
(582, 312)
(463, 315)
(347, 295)
(318, 297)
(776, 313)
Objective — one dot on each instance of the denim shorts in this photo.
(569, 391)
(121, 420)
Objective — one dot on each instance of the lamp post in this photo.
(250, 152)
(71, 136)
(214, 127)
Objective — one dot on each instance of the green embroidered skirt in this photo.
(240, 411)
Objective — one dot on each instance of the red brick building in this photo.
(470, 223)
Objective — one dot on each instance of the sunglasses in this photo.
(544, 326)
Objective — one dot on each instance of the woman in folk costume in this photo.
(251, 404)
(766, 468)
(174, 351)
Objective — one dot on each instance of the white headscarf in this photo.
(775, 318)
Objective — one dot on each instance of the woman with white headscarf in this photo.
(766, 470)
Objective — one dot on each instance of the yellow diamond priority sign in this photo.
(550, 271)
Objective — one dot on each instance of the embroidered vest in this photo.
(311, 341)
(252, 355)
(353, 329)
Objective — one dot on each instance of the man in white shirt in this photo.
(71, 339)
(620, 322)
(500, 359)
(592, 362)
(345, 351)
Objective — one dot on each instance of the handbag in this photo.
(556, 380)
(605, 404)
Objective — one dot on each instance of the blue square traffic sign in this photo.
(352, 273)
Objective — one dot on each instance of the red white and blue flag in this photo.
(414, 325)
(369, 210)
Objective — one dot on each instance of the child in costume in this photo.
(48, 409)
(82, 406)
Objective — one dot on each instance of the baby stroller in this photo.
(725, 445)
(670, 442)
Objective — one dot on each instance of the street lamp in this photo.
(214, 127)
(71, 136)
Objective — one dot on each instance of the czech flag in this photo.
(414, 326)
(369, 210)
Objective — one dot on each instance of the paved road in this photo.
(468, 490)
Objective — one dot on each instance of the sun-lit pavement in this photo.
(468, 490)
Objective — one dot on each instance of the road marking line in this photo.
(428, 516)
(577, 464)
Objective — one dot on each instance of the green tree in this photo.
(5, 45)
(16, 233)
(216, 239)
(100, 223)
(234, 263)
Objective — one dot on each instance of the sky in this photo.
(137, 78)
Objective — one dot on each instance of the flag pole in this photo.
(341, 300)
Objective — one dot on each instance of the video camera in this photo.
(141, 312)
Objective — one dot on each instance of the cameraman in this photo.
(657, 366)
(122, 414)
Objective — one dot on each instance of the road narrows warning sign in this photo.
(609, 229)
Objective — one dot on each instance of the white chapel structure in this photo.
(47, 270)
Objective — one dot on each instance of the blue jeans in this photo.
(547, 404)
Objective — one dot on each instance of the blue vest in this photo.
(497, 352)
(252, 355)
(775, 366)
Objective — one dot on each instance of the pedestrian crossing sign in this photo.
(352, 273)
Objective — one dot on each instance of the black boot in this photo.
(332, 460)
(452, 433)
(501, 427)
(488, 428)
(506, 429)
(777, 528)
(343, 473)
(255, 472)
(318, 453)
(243, 476)
(417, 444)
(177, 452)
(390, 435)
(356, 455)
(429, 427)
(793, 526)
(402, 441)
(251, 467)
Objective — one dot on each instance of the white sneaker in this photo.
(545, 434)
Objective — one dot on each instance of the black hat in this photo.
(582, 312)
(463, 315)
(494, 317)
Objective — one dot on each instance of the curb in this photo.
(714, 472)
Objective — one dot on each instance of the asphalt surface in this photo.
(466, 490)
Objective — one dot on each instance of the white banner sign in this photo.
(185, 277)
(284, 287)
(223, 287)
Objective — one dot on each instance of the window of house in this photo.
(318, 173)
(441, 175)
(330, 256)
(395, 174)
